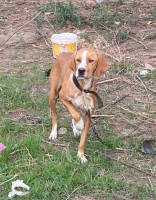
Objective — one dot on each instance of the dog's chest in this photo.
(83, 102)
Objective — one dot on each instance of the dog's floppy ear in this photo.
(101, 65)
(71, 63)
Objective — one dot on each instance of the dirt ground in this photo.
(138, 97)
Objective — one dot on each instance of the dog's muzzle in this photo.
(82, 72)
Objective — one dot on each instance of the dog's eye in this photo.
(91, 61)
(78, 60)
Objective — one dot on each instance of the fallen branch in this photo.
(132, 166)
(142, 84)
(49, 23)
(138, 42)
(96, 116)
(44, 39)
(116, 59)
(107, 81)
(21, 28)
(135, 113)
(126, 164)
(120, 99)
(9, 179)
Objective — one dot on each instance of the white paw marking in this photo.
(53, 134)
(75, 131)
(82, 158)
(78, 127)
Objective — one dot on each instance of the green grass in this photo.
(55, 172)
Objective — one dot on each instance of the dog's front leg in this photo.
(77, 121)
(83, 138)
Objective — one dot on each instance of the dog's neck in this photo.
(86, 84)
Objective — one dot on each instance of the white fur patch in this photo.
(83, 63)
(88, 83)
(77, 127)
(82, 158)
(53, 134)
(87, 102)
(75, 131)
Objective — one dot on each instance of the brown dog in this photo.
(82, 65)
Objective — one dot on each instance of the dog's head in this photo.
(87, 62)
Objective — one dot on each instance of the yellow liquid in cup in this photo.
(58, 48)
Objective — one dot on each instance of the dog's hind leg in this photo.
(52, 101)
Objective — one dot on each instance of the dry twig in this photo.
(9, 179)
(107, 81)
(135, 113)
(21, 28)
(138, 42)
(49, 23)
(96, 116)
(142, 85)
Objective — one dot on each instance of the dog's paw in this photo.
(53, 134)
(75, 131)
(77, 127)
(82, 158)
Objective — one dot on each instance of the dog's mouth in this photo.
(81, 77)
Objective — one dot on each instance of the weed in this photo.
(2, 20)
(122, 67)
(151, 75)
(151, 36)
(121, 36)
(64, 13)
(15, 56)
(119, 2)
(47, 7)
(85, 36)
(134, 17)
(104, 17)
(154, 12)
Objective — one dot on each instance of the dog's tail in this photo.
(47, 72)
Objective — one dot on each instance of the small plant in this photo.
(121, 36)
(47, 7)
(2, 20)
(154, 12)
(151, 75)
(152, 36)
(85, 36)
(119, 2)
(104, 17)
(66, 13)
(63, 13)
(122, 67)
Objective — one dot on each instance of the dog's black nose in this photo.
(81, 71)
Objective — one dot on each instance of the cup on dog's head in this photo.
(87, 62)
